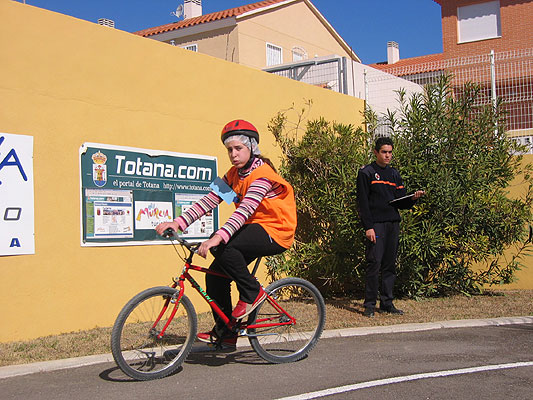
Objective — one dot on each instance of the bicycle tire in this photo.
(137, 350)
(289, 343)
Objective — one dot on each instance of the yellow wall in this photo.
(65, 82)
(524, 277)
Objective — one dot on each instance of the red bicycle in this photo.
(154, 332)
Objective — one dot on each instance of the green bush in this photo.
(322, 166)
(454, 238)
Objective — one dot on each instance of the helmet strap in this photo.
(249, 163)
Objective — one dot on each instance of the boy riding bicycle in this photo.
(263, 224)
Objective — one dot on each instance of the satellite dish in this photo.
(179, 11)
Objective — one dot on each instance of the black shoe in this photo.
(390, 310)
(369, 312)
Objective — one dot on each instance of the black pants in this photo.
(381, 257)
(247, 244)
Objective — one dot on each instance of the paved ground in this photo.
(490, 358)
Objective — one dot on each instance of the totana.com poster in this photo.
(126, 192)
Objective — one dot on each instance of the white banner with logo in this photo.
(17, 232)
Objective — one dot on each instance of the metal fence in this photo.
(505, 75)
(327, 72)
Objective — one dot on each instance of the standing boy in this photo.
(377, 184)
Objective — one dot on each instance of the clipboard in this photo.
(403, 202)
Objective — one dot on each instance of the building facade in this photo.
(489, 43)
(472, 27)
(257, 35)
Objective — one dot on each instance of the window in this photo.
(273, 54)
(478, 22)
(191, 47)
(298, 54)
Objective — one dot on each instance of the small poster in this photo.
(149, 214)
(109, 213)
(204, 226)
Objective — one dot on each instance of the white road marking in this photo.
(388, 381)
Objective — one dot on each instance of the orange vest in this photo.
(277, 216)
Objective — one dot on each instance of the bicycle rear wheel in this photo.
(287, 343)
(135, 343)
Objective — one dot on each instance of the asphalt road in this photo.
(490, 361)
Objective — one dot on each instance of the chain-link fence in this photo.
(338, 74)
(326, 72)
(505, 75)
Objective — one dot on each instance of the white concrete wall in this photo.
(381, 91)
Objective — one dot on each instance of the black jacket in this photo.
(376, 186)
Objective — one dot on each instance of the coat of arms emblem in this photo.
(99, 169)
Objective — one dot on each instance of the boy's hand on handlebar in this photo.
(205, 246)
(161, 228)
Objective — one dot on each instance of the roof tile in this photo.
(427, 63)
(232, 12)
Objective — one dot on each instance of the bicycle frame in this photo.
(144, 349)
(231, 324)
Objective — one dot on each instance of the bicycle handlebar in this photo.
(193, 246)
(172, 234)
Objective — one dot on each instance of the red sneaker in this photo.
(242, 309)
(212, 338)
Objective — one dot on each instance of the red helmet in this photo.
(239, 127)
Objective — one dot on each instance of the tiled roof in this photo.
(232, 12)
(414, 65)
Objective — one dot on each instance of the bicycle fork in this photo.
(175, 299)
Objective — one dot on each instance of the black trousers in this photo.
(247, 244)
(381, 258)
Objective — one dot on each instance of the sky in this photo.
(366, 25)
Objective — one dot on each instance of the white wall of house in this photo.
(378, 88)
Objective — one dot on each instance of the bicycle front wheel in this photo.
(300, 300)
(139, 347)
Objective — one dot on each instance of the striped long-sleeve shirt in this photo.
(259, 189)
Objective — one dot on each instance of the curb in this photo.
(47, 366)
(426, 326)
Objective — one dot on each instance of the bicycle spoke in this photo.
(137, 346)
(288, 341)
